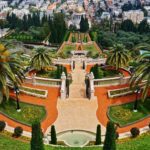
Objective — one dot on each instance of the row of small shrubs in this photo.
(17, 131)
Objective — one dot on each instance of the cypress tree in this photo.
(128, 26)
(110, 138)
(37, 137)
(82, 27)
(53, 135)
(98, 135)
(144, 27)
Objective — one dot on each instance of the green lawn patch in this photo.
(92, 51)
(139, 143)
(123, 114)
(47, 74)
(28, 114)
(68, 48)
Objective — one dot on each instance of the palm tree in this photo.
(10, 70)
(41, 59)
(143, 46)
(118, 56)
(142, 72)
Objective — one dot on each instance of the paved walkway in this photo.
(77, 112)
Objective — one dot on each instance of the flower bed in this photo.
(29, 113)
(124, 114)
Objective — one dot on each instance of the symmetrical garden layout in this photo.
(77, 111)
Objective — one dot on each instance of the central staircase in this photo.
(77, 112)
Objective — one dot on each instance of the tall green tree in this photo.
(118, 56)
(53, 135)
(58, 28)
(37, 137)
(144, 27)
(110, 137)
(142, 72)
(98, 135)
(41, 59)
(128, 26)
(84, 25)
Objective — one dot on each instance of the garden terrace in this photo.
(28, 112)
(124, 115)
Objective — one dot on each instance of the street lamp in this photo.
(137, 92)
(16, 91)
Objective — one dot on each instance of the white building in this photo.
(20, 12)
(135, 15)
(76, 17)
(105, 15)
(3, 4)
(147, 8)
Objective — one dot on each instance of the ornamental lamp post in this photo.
(137, 92)
(16, 91)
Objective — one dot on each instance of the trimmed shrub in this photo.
(135, 132)
(18, 131)
(110, 138)
(2, 125)
(37, 137)
(53, 135)
(98, 135)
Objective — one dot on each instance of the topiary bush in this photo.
(2, 125)
(110, 137)
(53, 135)
(18, 131)
(37, 137)
(98, 135)
(135, 132)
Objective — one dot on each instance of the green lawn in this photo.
(68, 48)
(28, 113)
(91, 49)
(47, 74)
(123, 114)
(139, 143)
